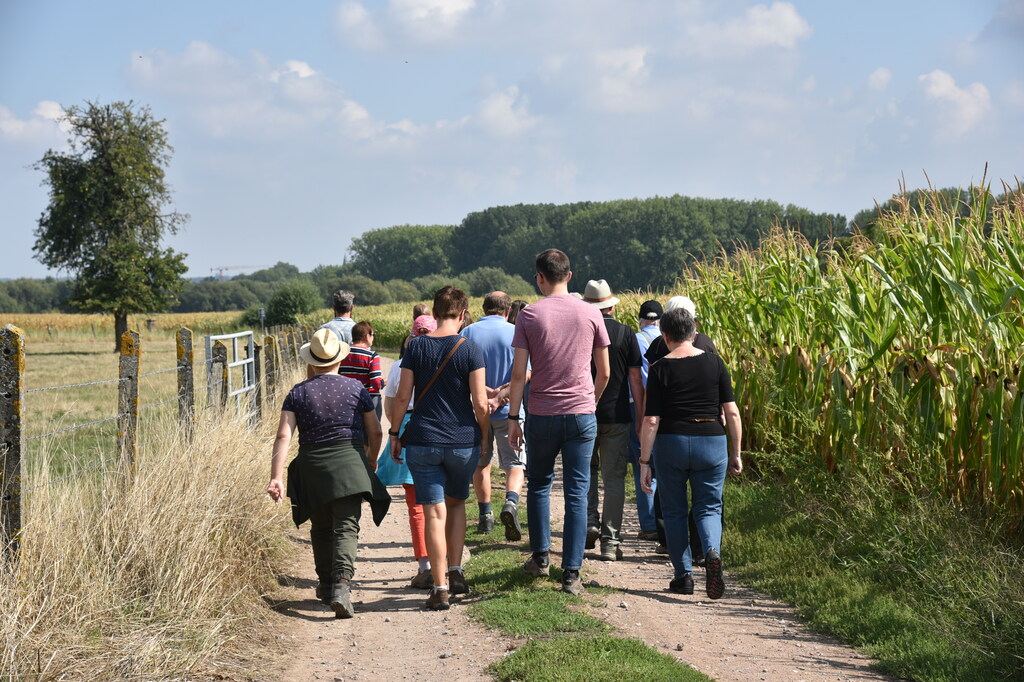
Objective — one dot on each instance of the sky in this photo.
(298, 126)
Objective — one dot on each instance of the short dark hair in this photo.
(342, 301)
(361, 331)
(517, 306)
(554, 265)
(420, 309)
(678, 325)
(449, 302)
(497, 304)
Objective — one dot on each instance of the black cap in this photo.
(651, 310)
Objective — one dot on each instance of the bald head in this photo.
(497, 303)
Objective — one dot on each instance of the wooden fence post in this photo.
(128, 401)
(219, 372)
(270, 356)
(257, 393)
(12, 418)
(186, 382)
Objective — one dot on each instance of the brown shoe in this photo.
(457, 583)
(424, 580)
(533, 567)
(610, 552)
(438, 600)
(341, 601)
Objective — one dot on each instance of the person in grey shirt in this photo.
(343, 302)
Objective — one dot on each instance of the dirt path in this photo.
(744, 636)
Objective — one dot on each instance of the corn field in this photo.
(908, 348)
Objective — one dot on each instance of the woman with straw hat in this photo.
(333, 472)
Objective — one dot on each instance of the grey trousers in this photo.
(334, 534)
(611, 462)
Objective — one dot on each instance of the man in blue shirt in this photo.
(343, 302)
(493, 334)
(650, 314)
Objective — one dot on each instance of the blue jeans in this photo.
(573, 435)
(701, 461)
(644, 501)
(439, 471)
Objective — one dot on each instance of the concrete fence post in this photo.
(128, 401)
(219, 375)
(12, 419)
(186, 382)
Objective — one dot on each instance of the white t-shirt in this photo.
(394, 377)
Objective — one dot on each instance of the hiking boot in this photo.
(534, 567)
(457, 583)
(486, 524)
(661, 549)
(510, 519)
(698, 559)
(340, 600)
(424, 580)
(323, 592)
(438, 600)
(571, 582)
(593, 534)
(610, 552)
(715, 580)
(649, 535)
(682, 584)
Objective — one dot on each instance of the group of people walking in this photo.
(564, 380)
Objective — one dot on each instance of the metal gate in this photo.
(234, 342)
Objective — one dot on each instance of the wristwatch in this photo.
(514, 417)
(396, 434)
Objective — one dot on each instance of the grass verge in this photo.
(565, 642)
(913, 581)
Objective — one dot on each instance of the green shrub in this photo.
(294, 298)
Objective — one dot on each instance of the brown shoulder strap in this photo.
(420, 394)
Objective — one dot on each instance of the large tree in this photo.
(109, 211)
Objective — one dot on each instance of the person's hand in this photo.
(735, 465)
(396, 449)
(485, 458)
(493, 392)
(373, 463)
(493, 404)
(276, 490)
(646, 478)
(515, 434)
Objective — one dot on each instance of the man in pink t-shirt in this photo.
(558, 336)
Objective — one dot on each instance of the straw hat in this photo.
(599, 294)
(324, 349)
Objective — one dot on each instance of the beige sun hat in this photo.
(683, 302)
(599, 294)
(325, 348)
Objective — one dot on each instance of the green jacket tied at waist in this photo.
(323, 472)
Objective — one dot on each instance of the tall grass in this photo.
(153, 577)
(46, 327)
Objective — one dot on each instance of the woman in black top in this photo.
(333, 473)
(687, 390)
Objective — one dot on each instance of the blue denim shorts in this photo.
(439, 471)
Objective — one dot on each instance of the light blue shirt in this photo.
(644, 338)
(493, 334)
(342, 326)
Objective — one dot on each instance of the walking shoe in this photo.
(438, 600)
(534, 567)
(715, 580)
(323, 592)
(661, 549)
(610, 552)
(457, 583)
(486, 524)
(698, 559)
(682, 584)
(650, 535)
(510, 519)
(593, 533)
(340, 601)
(424, 580)
(571, 582)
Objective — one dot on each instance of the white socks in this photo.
(424, 564)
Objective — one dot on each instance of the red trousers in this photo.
(416, 524)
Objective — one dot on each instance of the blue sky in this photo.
(298, 126)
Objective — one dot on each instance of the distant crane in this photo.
(220, 269)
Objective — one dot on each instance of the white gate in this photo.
(247, 363)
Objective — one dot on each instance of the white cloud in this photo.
(504, 113)
(43, 127)
(879, 79)
(779, 26)
(621, 74)
(1013, 94)
(357, 27)
(964, 107)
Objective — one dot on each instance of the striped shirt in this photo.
(363, 364)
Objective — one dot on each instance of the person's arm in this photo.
(371, 427)
(636, 388)
(478, 392)
(735, 428)
(515, 397)
(604, 371)
(648, 431)
(397, 414)
(285, 428)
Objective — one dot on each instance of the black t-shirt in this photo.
(328, 407)
(659, 349)
(444, 416)
(623, 353)
(687, 393)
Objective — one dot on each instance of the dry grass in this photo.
(154, 577)
(56, 327)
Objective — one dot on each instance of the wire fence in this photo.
(87, 383)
